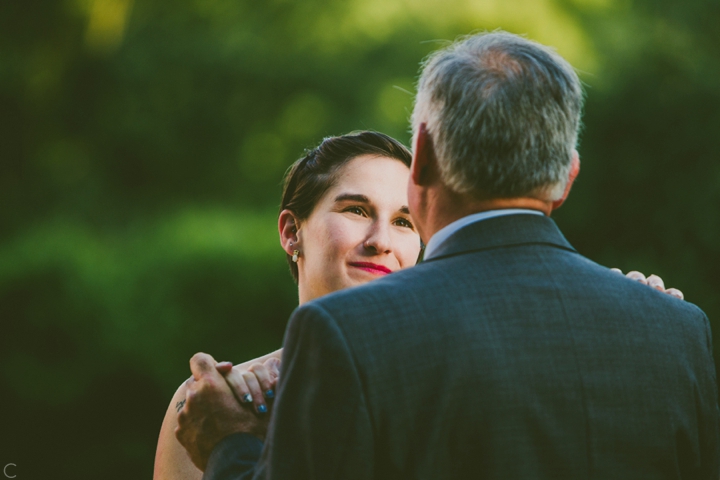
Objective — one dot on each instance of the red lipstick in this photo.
(372, 268)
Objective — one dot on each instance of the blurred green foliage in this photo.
(142, 146)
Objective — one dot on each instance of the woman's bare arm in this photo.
(171, 460)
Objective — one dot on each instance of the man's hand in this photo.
(211, 412)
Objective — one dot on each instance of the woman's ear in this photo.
(288, 226)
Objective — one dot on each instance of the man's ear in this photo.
(288, 227)
(574, 171)
(424, 163)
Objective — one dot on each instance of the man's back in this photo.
(509, 355)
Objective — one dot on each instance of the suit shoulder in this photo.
(312, 321)
(374, 299)
(344, 300)
(632, 291)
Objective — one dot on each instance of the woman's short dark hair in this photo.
(307, 180)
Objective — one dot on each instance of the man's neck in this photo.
(446, 209)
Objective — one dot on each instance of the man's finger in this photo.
(224, 368)
(202, 364)
(182, 420)
(616, 270)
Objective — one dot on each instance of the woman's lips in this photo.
(372, 268)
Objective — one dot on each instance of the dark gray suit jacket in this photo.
(507, 356)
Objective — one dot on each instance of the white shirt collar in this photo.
(445, 232)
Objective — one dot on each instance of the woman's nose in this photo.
(378, 240)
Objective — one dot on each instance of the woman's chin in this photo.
(358, 276)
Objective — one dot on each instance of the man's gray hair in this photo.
(503, 113)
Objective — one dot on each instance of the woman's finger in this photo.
(238, 385)
(256, 391)
(616, 270)
(675, 293)
(637, 276)
(264, 378)
(656, 282)
(273, 366)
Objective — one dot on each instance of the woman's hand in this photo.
(652, 281)
(252, 384)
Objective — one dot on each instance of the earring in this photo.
(295, 253)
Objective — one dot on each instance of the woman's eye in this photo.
(404, 222)
(356, 210)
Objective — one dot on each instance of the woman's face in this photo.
(360, 229)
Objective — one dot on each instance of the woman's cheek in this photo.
(326, 237)
(344, 236)
(410, 251)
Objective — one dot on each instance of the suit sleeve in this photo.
(234, 458)
(320, 426)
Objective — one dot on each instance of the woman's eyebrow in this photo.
(404, 209)
(354, 197)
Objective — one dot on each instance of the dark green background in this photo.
(142, 146)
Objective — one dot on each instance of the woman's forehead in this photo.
(376, 175)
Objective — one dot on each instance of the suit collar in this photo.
(507, 231)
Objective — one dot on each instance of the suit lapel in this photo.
(506, 231)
